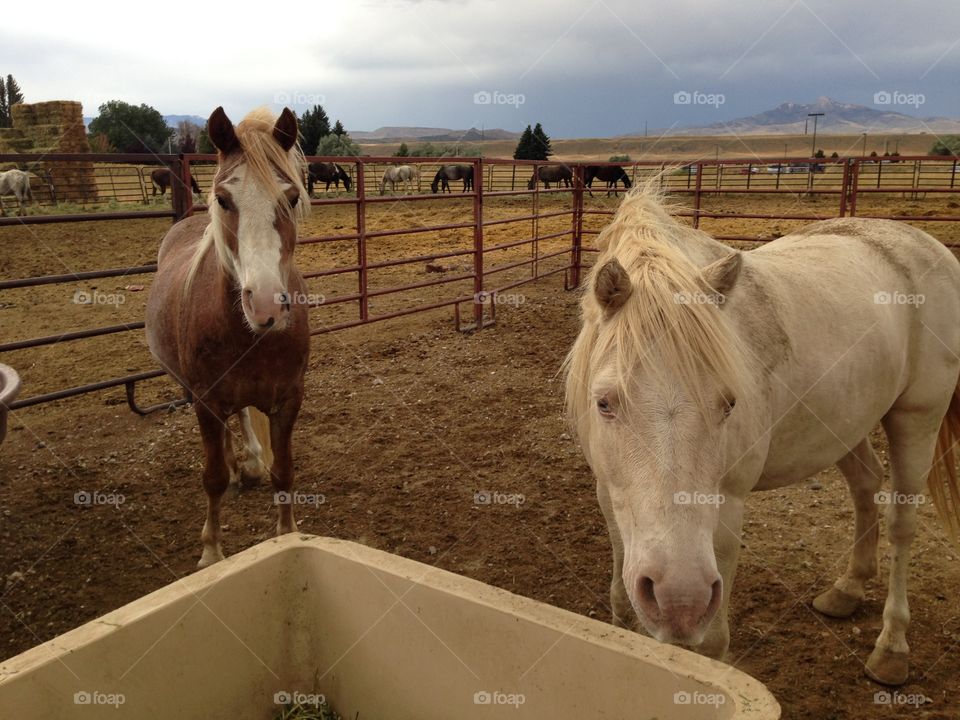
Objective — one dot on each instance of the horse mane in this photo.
(264, 158)
(665, 312)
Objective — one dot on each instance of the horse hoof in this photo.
(888, 667)
(209, 557)
(836, 603)
(252, 474)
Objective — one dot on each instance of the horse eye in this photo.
(728, 405)
(603, 405)
(222, 203)
(296, 199)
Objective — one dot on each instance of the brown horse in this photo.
(551, 173)
(226, 315)
(163, 177)
(610, 174)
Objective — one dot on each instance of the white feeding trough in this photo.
(9, 389)
(376, 634)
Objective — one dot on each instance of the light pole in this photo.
(815, 116)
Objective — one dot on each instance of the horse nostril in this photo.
(267, 324)
(648, 598)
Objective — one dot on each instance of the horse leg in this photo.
(215, 481)
(912, 435)
(864, 474)
(3, 210)
(620, 605)
(230, 458)
(256, 465)
(281, 433)
(726, 544)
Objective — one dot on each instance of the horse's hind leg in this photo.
(256, 440)
(912, 436)
(215, 480)
(281, 433)
(864, 474)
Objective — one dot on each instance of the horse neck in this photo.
(699, 247)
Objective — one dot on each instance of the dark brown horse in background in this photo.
(226, 315)
(163, 178)
(610, 174)
(327, 172)
(446, 173)
(551, 174)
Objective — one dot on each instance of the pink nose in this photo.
(265, 308)
(681, 608)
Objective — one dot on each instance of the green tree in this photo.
(334, 144)
(947, 145)
(313, 125)
(338, 129)
(5, 120)
(14, 94)
(204, 145)
(403, 151)
(131, 128)
(10, 95)
(619, 158)
(819, 153)
(524, 149)
(541, 146)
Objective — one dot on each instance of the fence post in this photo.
(362, 240)
(577, 237)
(845, 187)
(698, 186)
(854, 177)
(478, 290)
(187, 184)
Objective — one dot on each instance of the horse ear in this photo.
(285, 129)
(718, 278)
(613, 287)
(221, 133)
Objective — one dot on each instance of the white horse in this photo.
(406, 174)
(702, 373)
(16, 183)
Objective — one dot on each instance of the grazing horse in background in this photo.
(16, 183)
(226, 316)
(163, 178)
(702, 373)
(551, 173)
(404, 173)
(446, 173)
(610, 174)
(327, 172)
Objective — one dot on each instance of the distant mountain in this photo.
(839, 119)
(428, 134)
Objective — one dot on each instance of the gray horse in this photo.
(16, 183)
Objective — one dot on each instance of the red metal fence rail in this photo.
(550, 252)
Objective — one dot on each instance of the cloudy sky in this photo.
(584, 68)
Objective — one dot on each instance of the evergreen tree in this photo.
(338, 129)
(404, 151)
(524, 149)
(4, 108)
(541, 146)
(313, 125)
(204, 145)
(14, 95)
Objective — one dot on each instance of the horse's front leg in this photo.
(216, 478)
(726, 547)
(281, 438)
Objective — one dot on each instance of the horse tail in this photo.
(943, 482)
(260, 424)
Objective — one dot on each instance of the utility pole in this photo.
(815, 116)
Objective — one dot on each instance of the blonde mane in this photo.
(264, 159)
(670, 311)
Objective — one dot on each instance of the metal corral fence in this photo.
(553, 245)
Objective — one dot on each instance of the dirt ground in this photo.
(404, 422)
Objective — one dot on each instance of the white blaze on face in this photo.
(259, 274)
